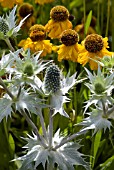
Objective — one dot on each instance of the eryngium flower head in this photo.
(28, 69)
(3, 26)
(52, 79)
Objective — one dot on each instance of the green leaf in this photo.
(108, 164)
(88, 21)
(11, 143)
(2, 72)
(96, 145)
(5, 108)
(76, 3)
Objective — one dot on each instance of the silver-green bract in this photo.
(8, 26)
(65, 157)
(96, 120)
(18, 77)
(25, 70)
(108, 63)
(100, 87)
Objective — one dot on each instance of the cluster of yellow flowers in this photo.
(91, 50)
(10, 4)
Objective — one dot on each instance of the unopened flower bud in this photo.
(52, 79)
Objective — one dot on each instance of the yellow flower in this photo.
(23, 11)
(42, 2)
(36, 40)
(10, 3)
(70, 47)
(58, 22)
(93, 49)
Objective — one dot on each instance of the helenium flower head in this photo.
(52, 79)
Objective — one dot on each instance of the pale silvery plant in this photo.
(101, 101)
(24, 91)
(9, 28)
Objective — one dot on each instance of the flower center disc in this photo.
(25, 9)
(94, 43)
(69, 37)
(59, 13)
(37, 32)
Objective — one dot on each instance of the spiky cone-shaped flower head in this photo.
(3, 26)
(52, 79)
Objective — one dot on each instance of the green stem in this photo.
(98, 17)
(50, 127)
(108, 16)
(102, 17)
(9, 44)
(34, 128)
(43, 126)
(84, 6)
(6, 89)
(68, 139)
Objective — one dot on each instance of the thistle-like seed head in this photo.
(52, 79)
(3, 26)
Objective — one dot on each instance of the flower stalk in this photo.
(6, 89)
(43, 126)
(9, 44)
(30, 122)
(50, 127)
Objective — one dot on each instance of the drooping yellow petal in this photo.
(54, 29)
(68, 52)
(10, 4)
(36, 46)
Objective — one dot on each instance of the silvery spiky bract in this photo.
(100, 87)
(96, 120)
(8, 26)
(65, 157)
(52, 79)
(26, 69)
(108, 63)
